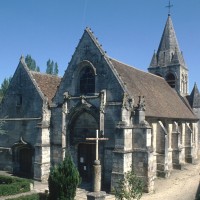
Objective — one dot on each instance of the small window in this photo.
(87, 80)
(19, 100)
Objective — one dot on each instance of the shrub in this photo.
(130, 187)
(63, 180)
(13, 185)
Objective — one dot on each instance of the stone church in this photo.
(149, 118)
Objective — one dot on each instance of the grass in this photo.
(13, 185)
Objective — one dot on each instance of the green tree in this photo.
(49, 69)
(31, 64)
(52, 68)
(55, 72)
(4, 86)
(130, 187)
(63, 180)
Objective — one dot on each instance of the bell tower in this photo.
(168, 61)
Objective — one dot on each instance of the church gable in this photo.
(90, 71)
(22, 93)
(27, 114)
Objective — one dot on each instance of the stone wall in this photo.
(27, 118)
(104, 106)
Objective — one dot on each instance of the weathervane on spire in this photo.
(169, 6)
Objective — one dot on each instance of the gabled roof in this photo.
(47, 83)
(168, 51)
(160, 99)
(194, 97)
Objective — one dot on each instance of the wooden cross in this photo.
(169, 7)
(97, 143)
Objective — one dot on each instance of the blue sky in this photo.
(129, 30)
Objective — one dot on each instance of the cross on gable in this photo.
(97, 139)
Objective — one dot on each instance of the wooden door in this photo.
(86, 157)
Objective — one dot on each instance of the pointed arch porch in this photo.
(82, 122)
(23, 156)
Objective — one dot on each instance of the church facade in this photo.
(149, 118)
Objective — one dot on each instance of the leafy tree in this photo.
(38, 69)
(50, 65)
(130, 187)
(52, 68)
(55, 72)
(63, 180)
(4, 86)
(31, 64)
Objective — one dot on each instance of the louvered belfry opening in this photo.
(170, 78)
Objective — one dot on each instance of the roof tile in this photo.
(160, 99)
(47, 83)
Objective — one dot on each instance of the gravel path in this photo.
(181, 185)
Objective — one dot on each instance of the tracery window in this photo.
(87, 80)
(170, 78)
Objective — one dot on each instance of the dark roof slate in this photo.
(160, 99)
(168, 51)
(47, 83)
(194, 97)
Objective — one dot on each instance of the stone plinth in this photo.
(97, 176)
(96, 195)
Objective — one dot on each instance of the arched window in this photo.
(87, 80)
(170, 78)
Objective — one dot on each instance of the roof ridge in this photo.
(133, 67)
(95, 40)
(44, 74)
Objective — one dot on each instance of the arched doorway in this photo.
(22, 159)
(84, 125)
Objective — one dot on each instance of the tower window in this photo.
(87, 80)
(170, 78)
(157, 74)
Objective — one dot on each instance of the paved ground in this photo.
(181, 185)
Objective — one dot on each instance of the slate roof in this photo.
(168, 51)
(160, 99)
(194, 97)
(47, 83)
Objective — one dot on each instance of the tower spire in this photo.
(168, 61)
(169, 6)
